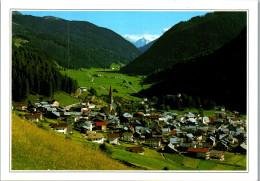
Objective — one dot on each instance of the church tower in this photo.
(111, 99)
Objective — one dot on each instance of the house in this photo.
(137, 149)
(113, 138)
(54, 102)
(96, 137)
(173, 132)
(32, 108)
(20, 107)
(128, 136)
(217, 154)
(84, 110)
(166, 130)
(33, 117)
(154, 142)
(87, 126)
(83, 88)
(101, 126)
(127, 115)
(170, 149)
(176, 140)
(60, 127)
(199, 152)
(189, 115)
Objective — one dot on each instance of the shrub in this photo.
(103, 147)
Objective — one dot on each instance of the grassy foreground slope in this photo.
(36, 149)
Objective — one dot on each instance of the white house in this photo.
(113, 138)
(60, 127)
(96, 137)
(88, 126)
(83, 88)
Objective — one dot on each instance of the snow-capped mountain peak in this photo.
(141, 42)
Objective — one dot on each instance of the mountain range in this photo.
(184, 41)
(71, 44)
(141, 42)
(220, 76)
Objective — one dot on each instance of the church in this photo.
(112, 105)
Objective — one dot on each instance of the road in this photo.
(69, 106)
(129, 84)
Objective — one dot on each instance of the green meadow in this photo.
(65, 99)
(109, 77)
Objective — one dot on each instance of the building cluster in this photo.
(189, 134)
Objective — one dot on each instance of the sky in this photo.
(132, 25)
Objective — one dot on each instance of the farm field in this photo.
(109, 77)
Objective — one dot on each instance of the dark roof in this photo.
(115, 135)
(205, 150)
(32, 116)
(155, 116)
(19, 105)
(101, 123)
(59, 125)
(137, 149)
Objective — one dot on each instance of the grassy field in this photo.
(65, 99)
(231, 162)
(37, 149)
(151, 160)
(193, 110)
(109, 77)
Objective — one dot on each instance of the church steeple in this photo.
(111, 98)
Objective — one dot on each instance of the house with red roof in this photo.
(173, 132)
(20, 107)
(101, 126)
(199, 152)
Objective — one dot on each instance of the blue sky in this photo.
(132, 25)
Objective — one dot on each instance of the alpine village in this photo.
(100, 103)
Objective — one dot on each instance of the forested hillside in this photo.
(72, 44)
(220, 77)
(197, 37)
(33, 74)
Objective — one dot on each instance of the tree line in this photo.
(31, 74)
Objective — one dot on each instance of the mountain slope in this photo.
(33, 150)
(72, 44)
(186, 40)
(32, 74)
(141, 42)
(220, 76)
(146, 46)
